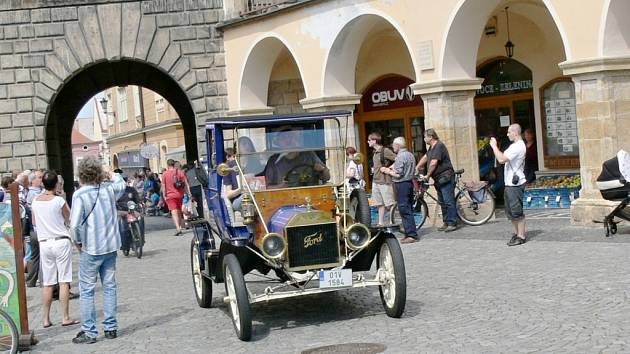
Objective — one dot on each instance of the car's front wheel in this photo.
(392, 271)
(237, 297)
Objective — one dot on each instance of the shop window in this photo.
(559, 119)
(418, 147)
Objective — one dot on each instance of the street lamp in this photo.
(104, 104)
(509, 46)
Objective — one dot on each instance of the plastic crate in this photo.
(552, 198)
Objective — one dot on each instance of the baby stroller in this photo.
(614, 184)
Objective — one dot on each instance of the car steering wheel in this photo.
(300, 175)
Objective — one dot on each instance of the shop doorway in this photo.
(389, 108)
(506, 97)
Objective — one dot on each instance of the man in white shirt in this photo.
(514, 160)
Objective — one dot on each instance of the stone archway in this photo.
(254, 83)
(340, 67)
(615, 34)
(54, 57)
(458, 55)
(66, 103)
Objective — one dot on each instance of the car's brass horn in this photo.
(223, 169)
(358, 158)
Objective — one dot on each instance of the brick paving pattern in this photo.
(565, 291)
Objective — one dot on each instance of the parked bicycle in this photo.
(8, 334)
(475, 202)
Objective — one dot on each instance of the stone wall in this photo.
(46, 45)
(285, 95)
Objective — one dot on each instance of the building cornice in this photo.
(437, 86)
(151, 128)
(260, 111)
(330, 101)
(594, 65)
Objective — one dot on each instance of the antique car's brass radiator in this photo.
(312, 246)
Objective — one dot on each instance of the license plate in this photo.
(335, 278)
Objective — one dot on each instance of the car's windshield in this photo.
(289, 155)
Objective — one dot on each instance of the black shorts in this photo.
(513, 198)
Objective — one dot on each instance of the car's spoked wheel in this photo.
(237, 297)
(392, 267)
(203, 285)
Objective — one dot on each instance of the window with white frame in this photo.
(108, 112)
(136, 101)
(159, 103)
(122, 104)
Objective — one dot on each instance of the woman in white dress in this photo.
(50, 217)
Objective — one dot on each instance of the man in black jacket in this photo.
(197, 179)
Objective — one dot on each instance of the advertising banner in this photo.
(9, 301)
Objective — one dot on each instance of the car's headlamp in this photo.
(357, 236)
(273, 245)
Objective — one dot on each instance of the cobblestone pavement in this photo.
(565, 291)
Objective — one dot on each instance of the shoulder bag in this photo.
(178, 183)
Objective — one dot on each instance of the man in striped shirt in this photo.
(95, 232)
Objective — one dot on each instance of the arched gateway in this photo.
(54, 58)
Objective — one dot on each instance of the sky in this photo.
(88, 109)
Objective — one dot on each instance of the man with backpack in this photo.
(382, 184)
(174, 185)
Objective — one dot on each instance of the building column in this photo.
(602, 88)
(449, 108)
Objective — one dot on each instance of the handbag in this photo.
(178, 183)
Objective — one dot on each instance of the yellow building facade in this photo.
(139, 119)
(565, 76)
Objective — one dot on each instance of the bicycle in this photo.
(475, 204)
(8, 334)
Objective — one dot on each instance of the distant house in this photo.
(83, 146)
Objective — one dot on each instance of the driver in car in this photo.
(294, 168)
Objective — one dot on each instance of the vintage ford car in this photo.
(294, 221)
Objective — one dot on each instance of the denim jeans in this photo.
(404, 198)
(89, 268)
(446, 197)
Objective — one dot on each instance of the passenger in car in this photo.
(294, 168)
(233, 190)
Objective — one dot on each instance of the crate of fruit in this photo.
(554, 192)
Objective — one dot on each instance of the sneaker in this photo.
(515, 241)
(450, 228)
(73, 296)
(83, 338)
(443, 227)
(111, 334)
